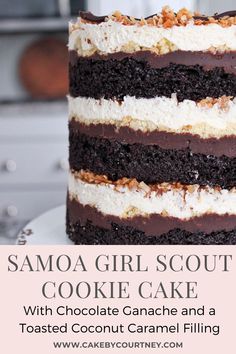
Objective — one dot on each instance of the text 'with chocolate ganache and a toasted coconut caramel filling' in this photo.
(152, 129)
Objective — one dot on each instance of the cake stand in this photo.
(47, 229)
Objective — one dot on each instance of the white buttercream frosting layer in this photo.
(123, 201)
(160, 113)
(110, 37)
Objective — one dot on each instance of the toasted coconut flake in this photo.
(144, 187)
(222, 102)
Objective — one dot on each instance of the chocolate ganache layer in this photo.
(85, 225)
(207, 60)
(113, 78)
(165, 140)
(149, 163)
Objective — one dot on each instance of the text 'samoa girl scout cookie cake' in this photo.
(152, 129)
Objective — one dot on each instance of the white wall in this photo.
(210, 7)
(138, 8)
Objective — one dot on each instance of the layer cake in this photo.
(152, 129)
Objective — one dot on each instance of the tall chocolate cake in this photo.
(152, 129)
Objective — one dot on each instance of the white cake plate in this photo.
(47, 229)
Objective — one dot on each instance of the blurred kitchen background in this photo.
(33, 108)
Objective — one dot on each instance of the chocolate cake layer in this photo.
(207, 60)
(149, 163)
(85, 225)
(114, 78)
(166, 140)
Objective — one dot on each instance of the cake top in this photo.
(161, 33)
(166, 19)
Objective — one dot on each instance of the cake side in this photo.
(152, 103)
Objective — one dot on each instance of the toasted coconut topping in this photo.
(132, 183)
(222, 102)
(168, 18)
